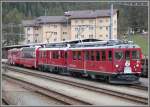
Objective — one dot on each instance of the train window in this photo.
(45, 54)
(61, 54)
(135, 55)
(118, 55)
(79, 55)
(57, 54)
(74, 55)
(103, 55)
(65, 55)
(53, 54)
(49, 55)
(34, 55)
(92, 55)
(87, 55)
(110, 55)
(127, 55)
(97, 56)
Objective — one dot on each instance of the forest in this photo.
(135, 17)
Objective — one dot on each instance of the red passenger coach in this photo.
(13, 56)
(53, 59)
(28, 57)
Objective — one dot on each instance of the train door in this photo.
(119, 60)
(88, 65)
(135, 62)
(109, 60)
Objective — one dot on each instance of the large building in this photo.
(74, 25)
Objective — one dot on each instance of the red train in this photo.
(115, 61)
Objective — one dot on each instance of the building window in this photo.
(28, 28)
(35, 41)
(76, 36)
(82, 21)
(55, 33)
(90, 21)
(82, 36)
(64, 33)
(106, 20)
(91, 27)
(101, 27)
(63, 39)
(76, 21)
(100, 35)
(36, 28)
(106, 35)
(28, 41)
(100, 20)
(64, 25)
(36, 34)
(91, 36)
(55, 39)
(55, 26)
(106, 27)
(76, 29)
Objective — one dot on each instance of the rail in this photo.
(131, 97)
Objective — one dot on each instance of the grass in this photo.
(142, 41)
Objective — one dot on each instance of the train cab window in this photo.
(110, 55)
(127, 55)
(92, 55)
(97, 56)
(79, 55)
(135, 55)
(118, 55)
(87, 55)
(103, 55)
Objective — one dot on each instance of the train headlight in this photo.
(116, 66)
(137, 65)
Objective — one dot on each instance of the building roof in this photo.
(51, 19)
(89, 13)
(72, 15)
(28, 23)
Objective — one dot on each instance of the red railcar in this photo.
(116, 63)
(52, 59)
(28, 57)
(13, 56)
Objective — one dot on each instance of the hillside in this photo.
(142, 41)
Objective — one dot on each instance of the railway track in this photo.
(65, 100)
(126, 96)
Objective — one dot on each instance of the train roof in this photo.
(119, 46)
(93, 45)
